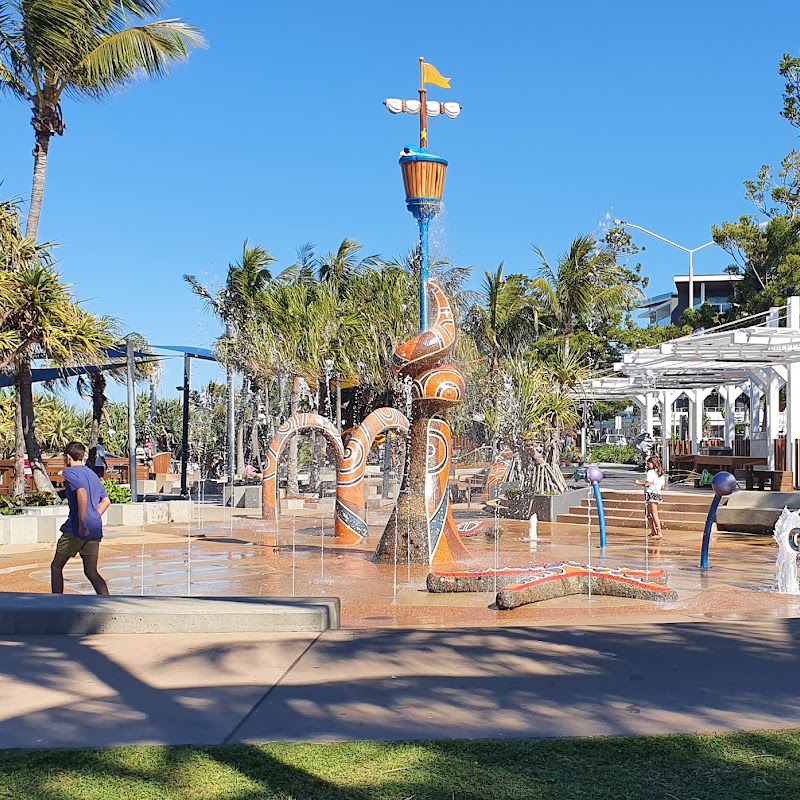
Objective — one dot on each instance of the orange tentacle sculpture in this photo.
(270, 508)
(421, 528)
(351, 500)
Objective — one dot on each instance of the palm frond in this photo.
(123, 56)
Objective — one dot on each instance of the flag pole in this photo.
(423, 107)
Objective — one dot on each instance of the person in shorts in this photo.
(653, 484)
(83, 530)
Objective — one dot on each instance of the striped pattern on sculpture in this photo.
(444, 543)
(498, 473)
(427, 348)
(351, 501)
(270, 508)
(470, 527)
(488, 580)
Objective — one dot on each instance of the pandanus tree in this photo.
(87, 49)
(540, 407)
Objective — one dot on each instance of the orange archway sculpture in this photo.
(351, 500)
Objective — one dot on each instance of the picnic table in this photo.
(698, 462)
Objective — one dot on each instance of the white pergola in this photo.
(756, 360)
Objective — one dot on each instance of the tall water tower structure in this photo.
(421, 529)
(424, 173)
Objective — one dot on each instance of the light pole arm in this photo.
(707, 244)
(663, 239)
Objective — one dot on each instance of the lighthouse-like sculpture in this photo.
(421, 529)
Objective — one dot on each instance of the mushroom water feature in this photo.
(723, 484)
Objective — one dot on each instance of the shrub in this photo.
(10, 504)
(117, 493)
(612, 454)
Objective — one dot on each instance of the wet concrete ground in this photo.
(224, 554)
(454, 666)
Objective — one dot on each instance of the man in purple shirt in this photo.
(83, 530)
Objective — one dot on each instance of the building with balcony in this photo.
(668, 308)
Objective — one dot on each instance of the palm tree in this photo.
(84, 48)
(234, 305)
(450, 278)
(39, 320)
(340, 268)
(504, 319)
(587, 282)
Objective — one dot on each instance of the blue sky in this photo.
(573, 112)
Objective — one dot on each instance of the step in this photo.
(670, 496)
(638, 513)
(669, 502)
(79, 614)
(630, 522)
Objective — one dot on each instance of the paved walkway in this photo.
(401, 684)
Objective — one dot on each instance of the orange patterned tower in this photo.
(421, 529)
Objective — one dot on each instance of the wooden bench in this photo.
(779, 481)
(160, 465)
(118, 470)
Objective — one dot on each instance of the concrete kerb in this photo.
(23, 614)
(42, 524)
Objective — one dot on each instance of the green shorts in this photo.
(69, 546)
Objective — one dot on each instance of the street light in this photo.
(691, 252)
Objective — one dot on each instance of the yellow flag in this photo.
(432, 75)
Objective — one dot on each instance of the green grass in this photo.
(734, 767)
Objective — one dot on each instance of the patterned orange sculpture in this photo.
(270, 508)
(518, 586)
(421, 529)
(351, 501)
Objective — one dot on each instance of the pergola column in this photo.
(667, 399)
(696, 398)
(773, 399)
(792, 392)
(730, 393)
(755, 394)
(645, 402)
(773, 412)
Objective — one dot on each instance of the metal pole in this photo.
(424, 220)
(130, 353)
(187, 374)
(231, 459)
(153, 405)
(423, 107)
(691, 280)
(712, 515)
(339, 403)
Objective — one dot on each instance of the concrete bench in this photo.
(755, 512)
(22, 614)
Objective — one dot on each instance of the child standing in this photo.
(653, 483)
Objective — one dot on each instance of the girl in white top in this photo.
(653, 483)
